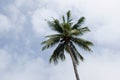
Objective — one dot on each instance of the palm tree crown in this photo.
(67, 35)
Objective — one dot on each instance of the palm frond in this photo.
(55, 25)
(75, 53)
(54, 35)
(78, 24)
(63, 19)
(68, 16)
(82, 43)
(58, 54)
(80, 31)
(50, 42)
(75, 32)
(84, 29)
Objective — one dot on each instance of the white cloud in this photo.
(108, 35)
(5, 23)
(103, 18)
(16, 17)
(101, 67)
(5, 59)
(38, 20)
(25, 5)
(31, 70)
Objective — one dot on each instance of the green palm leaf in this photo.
(63, 19)
(80, 31)
(78, 24)
(82, 43)
(84, 29)
(54, 35)
(55, 25)
(76, 54)
(50, 42)
(68, 17)
(58, 54)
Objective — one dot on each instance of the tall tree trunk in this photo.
(74, 64)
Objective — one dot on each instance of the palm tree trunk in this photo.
(74, 64)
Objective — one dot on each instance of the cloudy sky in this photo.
(23, 26)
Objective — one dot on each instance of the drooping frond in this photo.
(78, 24)
(83, 43)
(50, 42)
(58, 54)
(55, 25)
(75, 53)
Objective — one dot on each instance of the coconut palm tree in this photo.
(66, 38)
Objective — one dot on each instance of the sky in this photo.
(23, 27)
